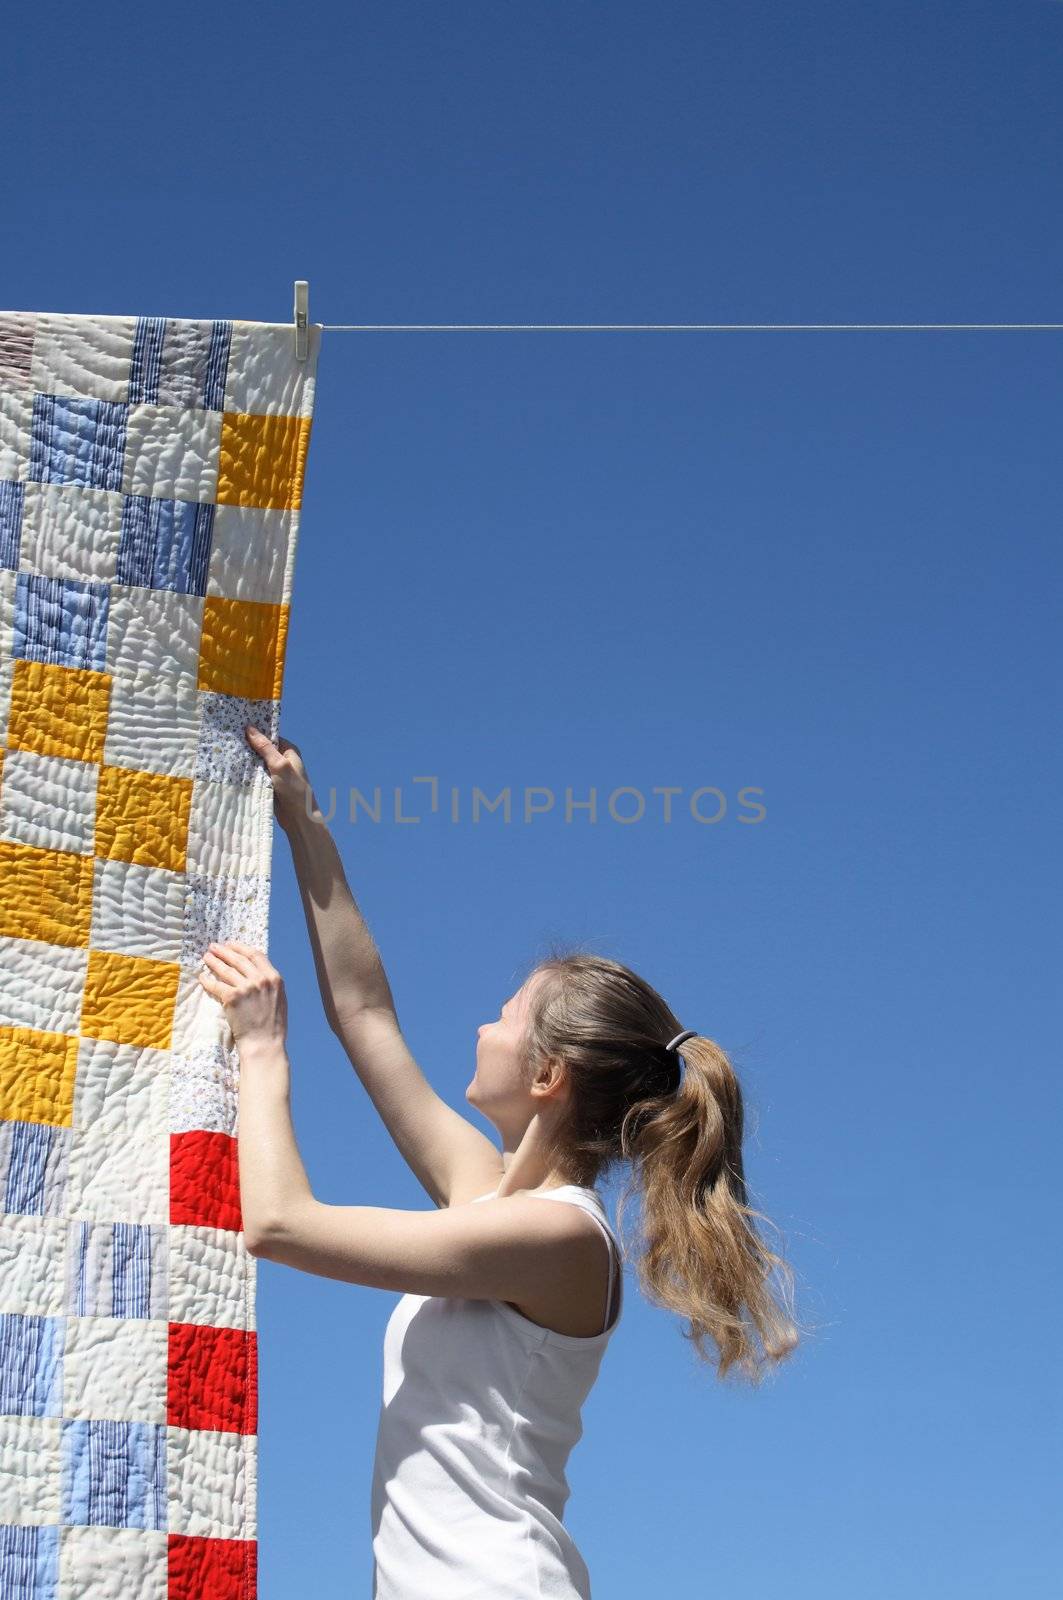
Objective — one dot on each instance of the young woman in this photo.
(507, 1304)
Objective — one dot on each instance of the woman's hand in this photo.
(292, 793)
(250, 989)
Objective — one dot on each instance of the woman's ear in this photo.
(551, 1077)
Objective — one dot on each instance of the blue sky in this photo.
(821, 565)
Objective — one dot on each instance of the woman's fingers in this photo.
(241, 964)
(228, 964)
(263, 746)
(211, 987)
(263, 743)
(257, 959)
(283, 760)
(248, 986)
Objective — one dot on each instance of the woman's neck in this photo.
(529, 1165)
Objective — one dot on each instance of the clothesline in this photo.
(687, 327)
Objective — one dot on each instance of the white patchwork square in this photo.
(172, 453)
(220, 909)
(16, 416)
(7, 674)
(87, 356)
(119, 1162)
(252, 555)
(212, 1483)
(121, 1085)
(8, 585)
(153, 634)
(69, 531)
(29, 1471)
(48, 802)
(224, 753)
(152, 726)
(41, 985)
(115, 1368)
(204, 1091)
(230, 828)
(212, 1278)
(32, 1255)
(98, 1563)
(121, 1183)
(8, 582)
(199, 1021)
(137, 910)
(264, 377)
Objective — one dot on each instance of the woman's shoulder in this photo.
(553, 1307)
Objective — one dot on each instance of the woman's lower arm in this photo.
(273, 1180)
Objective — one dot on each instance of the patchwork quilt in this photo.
(151, 475)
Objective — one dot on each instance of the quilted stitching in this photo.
(151, 477)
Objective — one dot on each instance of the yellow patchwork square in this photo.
(241, 650)
(45, 894)
(142, 817)
(129, 999)
(262, 460)
(37, 1075)
(58, 711)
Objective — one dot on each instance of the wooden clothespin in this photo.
(301, 316)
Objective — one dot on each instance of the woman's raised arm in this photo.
(350, 972)
(451, 1158)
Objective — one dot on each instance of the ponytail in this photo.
(702, 1255)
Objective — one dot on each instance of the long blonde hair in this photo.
(681, 1131)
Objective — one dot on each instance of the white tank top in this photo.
(480, 1410)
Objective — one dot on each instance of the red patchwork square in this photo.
(205, 1180)
(211, 1569)
(212, 1378)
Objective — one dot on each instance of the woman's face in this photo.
(497, 1085)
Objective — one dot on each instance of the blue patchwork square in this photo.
(131, 1269)
(12, 496)
(165, 544)
(180, 363)
(33, 1168)
(29, 1562)
(61, 621)
(76, 440)
(116, 1269)
(113, 1474)
(31, 1357)
(146, 364)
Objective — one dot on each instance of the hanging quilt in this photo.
(151, 475)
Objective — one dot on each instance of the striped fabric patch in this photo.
(151, 478)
